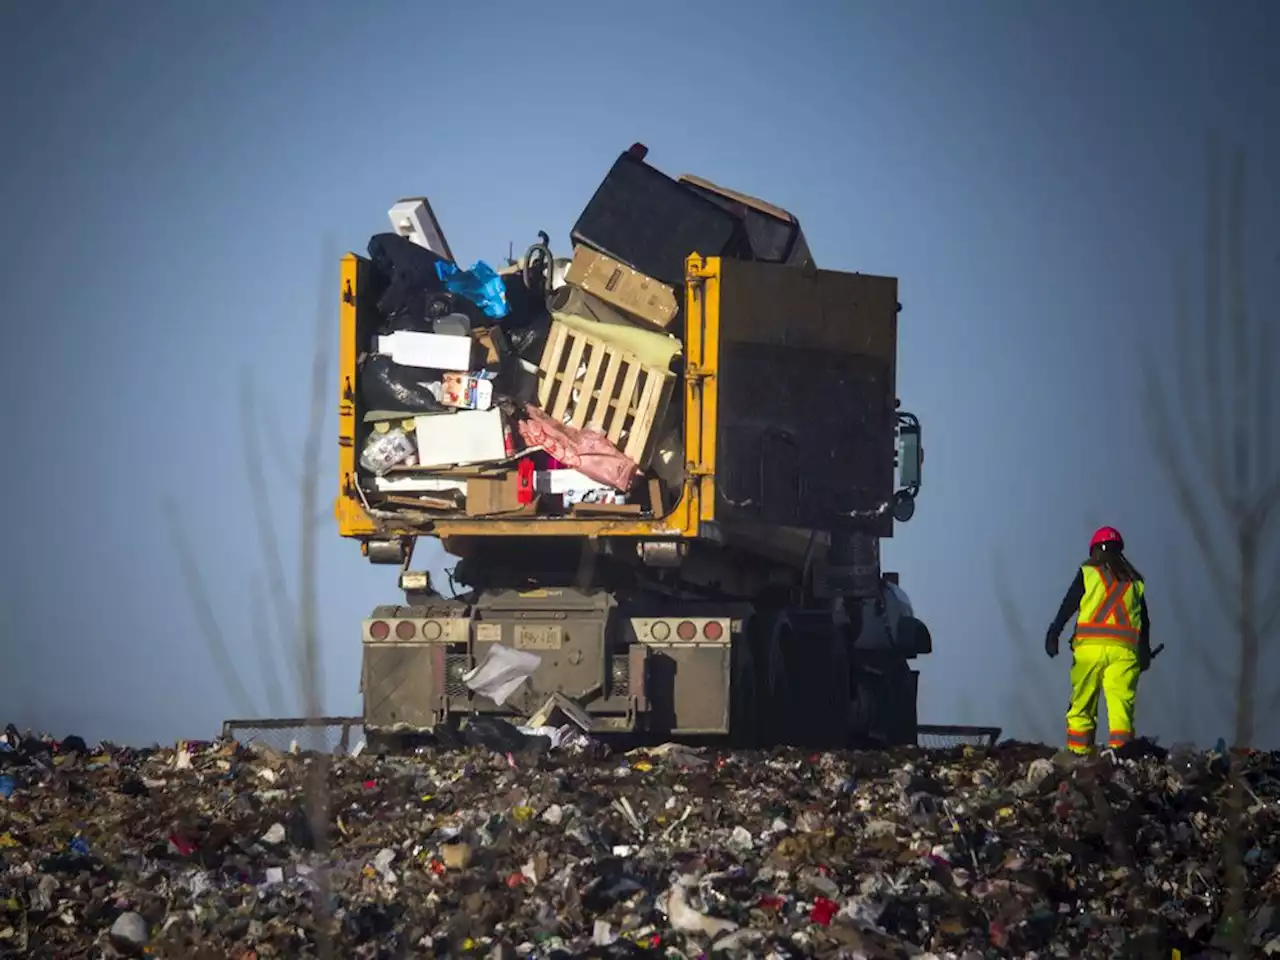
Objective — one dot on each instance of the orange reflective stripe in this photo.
(1079, 738)
(1092, 632)
(1112, 606)
(1113, 602)
(1118, 738)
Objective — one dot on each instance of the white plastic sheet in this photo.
(501, 672)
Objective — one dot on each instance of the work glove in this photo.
(1144, 659)
(1051, 644)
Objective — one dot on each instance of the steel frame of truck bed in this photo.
(693, 514)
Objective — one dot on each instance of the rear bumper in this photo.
(620, 678)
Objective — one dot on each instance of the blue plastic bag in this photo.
(481, 285)
(7, 786)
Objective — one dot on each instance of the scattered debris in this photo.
(670, 851)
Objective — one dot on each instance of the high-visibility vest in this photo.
(1109, 609)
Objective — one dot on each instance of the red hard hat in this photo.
(1107, 535)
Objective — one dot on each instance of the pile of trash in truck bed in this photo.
(548, 387)
(206, 850)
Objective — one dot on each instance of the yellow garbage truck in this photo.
(739, 596)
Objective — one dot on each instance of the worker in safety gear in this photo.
(1111, 645)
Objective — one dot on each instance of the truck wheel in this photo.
(833, 680)
(771, 638)
(882, 713)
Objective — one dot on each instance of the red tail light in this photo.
(405, 630)
(712, 630)
(686, 630)
(379, 629)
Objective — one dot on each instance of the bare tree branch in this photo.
(1161, 433)
(1230, 457)
(1237, 427)
(1028, 707)
(260, 501)
(1270, 616)
(1264, 438)
(203, 610)
(1195, 420)
(308, 611)
(263, 644)
(1213, 400)
(288, 464)
(1266, 509)
(309, 499)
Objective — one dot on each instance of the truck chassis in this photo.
(633, 661)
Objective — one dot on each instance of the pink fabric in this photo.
(587, 451)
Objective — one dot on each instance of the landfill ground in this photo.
(207, 850)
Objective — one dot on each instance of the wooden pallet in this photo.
(617, 394)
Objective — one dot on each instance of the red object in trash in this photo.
(524, 492)
(586, 450)
(508, 439)
(823, 911)
(998, 935)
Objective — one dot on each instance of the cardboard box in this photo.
(465, 392)
(494, 347)
(489, 496)
(623, 288)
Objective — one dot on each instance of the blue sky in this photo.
(174, 173)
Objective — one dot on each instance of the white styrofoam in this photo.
(411, 484)
(431, 351)
(414, 220)
(565, 481)
(469, 436)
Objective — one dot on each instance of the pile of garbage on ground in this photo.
(207, 849)
(546, 387)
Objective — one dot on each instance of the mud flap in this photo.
(402, 684)
(688, 688)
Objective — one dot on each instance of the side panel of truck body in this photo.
(788, 420)
(807, 422)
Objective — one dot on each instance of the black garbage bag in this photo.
(408, 272)
(387, 385)
(421, 310)
(529, 340)
(524, 304)
(496, 734)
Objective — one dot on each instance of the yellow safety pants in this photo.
(1100, 666)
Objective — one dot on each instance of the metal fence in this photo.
(327, 734)
(942, 737)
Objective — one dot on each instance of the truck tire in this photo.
(771, 636)
(882, 712)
